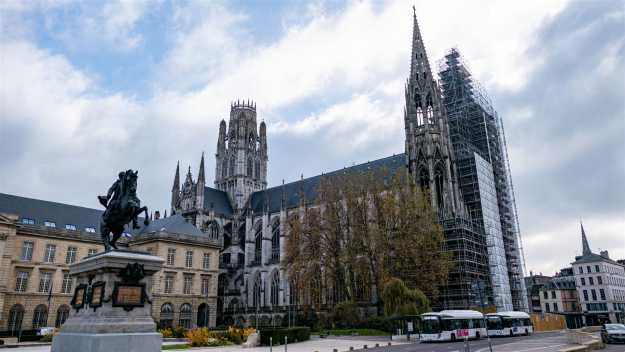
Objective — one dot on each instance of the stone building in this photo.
(40, 239)
(250, 218)
(600, 286)
(559, 296)
(534, 283)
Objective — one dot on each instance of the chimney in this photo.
(157, 215)
(604, 254)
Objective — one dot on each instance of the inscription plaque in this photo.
(78, 301)
(97, 294)
(128, 295)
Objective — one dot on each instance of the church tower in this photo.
(241, 158)
(429, 153)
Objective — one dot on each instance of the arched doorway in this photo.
(186, 313)
(16, 315)
(203, 315)
(61, 315)
(40, 316)
(167, 316)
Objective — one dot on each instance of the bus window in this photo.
(494, 323)
(430, 325)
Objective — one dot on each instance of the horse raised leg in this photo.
(136, 213)
(104, 234)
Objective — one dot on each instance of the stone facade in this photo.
(36, 250)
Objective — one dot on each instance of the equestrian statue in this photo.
(122, 207)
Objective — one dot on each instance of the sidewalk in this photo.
(314, 344)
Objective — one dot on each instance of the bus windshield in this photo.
(494, 323)
(430, 325)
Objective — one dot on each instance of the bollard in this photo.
(389, 343)
(364, 347)
(351, 348)
(377, 345)
(286, 342)
(270, 343)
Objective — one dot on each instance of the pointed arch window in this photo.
(224, 168)
(275, 289)
(275, 242)
(258, 245)
(250, 167)
(439, 183)
(424, 179)
(256, 301)
(232, 165)
(429, 113)
(419, 117)
(257, 169)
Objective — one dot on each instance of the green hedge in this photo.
(295, 334)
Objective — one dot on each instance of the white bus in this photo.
(452, 325)
(509, 324)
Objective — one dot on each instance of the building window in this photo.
(597, 268)
(71, 227)
(599, 280)
(588, 269)
(583, 281)
(28, 221)
(591, 281)
(581, 270)
(256, 301)
(45, 280)
(67, 283)
(602, 294)
(555, 306)
(258, 245)
(169, 283)
(206, 261)
(61, 315)
(189, 259)
(16, 315)
(553, 294)
(167, 316)
(205, 286)
(275, 242)
(257, 168)
(171, 256)
(594, 294)
(250, 167)
(545, 294)
(213, 230)
(70, 256)
(585, 295)
(21, 281)
(40, 316)
(188, 284)
(90, 229)
(548, 307)
(186, 314)
(92, 251)
(275, 289)
(27, 250)
(49, 223)
(50, 253)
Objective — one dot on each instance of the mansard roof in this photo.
(59, 213)
(171, 224)
(592, 258)
(271, 198)
(217, 200)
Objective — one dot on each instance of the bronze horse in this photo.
(122, 207)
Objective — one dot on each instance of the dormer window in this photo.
(28, 221)
(49, 224)
(70, 227)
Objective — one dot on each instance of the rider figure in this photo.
(115, 188)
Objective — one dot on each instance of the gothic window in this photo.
(424, 179)
(213, 230)
(430, 115)
(250, 167)
(242, 236)
(252, 142)
(257, 168)
(258, 245)
(224, 168)
(419, 117)
(292, 293)
(232, 165)
(256, 301)
(275, 289)
(439, 183)
(275, 241)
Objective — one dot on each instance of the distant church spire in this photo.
(419, 65)
(585, 246)
(200, 176)
(175, 190)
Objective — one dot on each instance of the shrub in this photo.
(179, 332)
(166, 332)
(239, 335)
(198, 337)
(294, 334)
(346, 315)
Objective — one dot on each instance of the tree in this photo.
(400, 300)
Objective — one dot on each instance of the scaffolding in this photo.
(476, 133)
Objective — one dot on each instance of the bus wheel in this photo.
(453, 337)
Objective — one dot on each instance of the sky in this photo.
(91, 88)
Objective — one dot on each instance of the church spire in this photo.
(175, 190)
(585, 246)
(419, 64)
(176, 186)
(200, 175)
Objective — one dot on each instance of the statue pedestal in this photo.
(111, 305)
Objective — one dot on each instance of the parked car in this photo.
(611, 333)
(45, 331)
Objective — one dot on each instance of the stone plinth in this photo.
(119, 319)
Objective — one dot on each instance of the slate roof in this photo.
(217, 200)
(43, 210)
(271, 198)
(560, 283)
(172, 224)
(591, 258)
